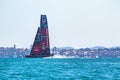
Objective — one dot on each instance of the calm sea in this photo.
(59, 69)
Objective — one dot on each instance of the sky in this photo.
(71, 23)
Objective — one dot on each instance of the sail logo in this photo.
(40, 37)
(36, 50)
(44, 21)
(43, 47)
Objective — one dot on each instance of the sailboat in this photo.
(41, 46)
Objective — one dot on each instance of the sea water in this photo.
(59, 69)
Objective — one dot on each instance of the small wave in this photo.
(60, 56)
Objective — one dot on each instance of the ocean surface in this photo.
(59, 69)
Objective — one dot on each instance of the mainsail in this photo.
(41, 46)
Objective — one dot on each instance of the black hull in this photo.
(38, 56)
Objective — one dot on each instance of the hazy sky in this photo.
(74, 23)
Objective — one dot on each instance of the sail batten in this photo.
(41, 46)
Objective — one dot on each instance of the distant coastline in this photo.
(94, 52)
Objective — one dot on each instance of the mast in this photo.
(45, 46)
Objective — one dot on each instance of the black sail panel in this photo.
(36, 45)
